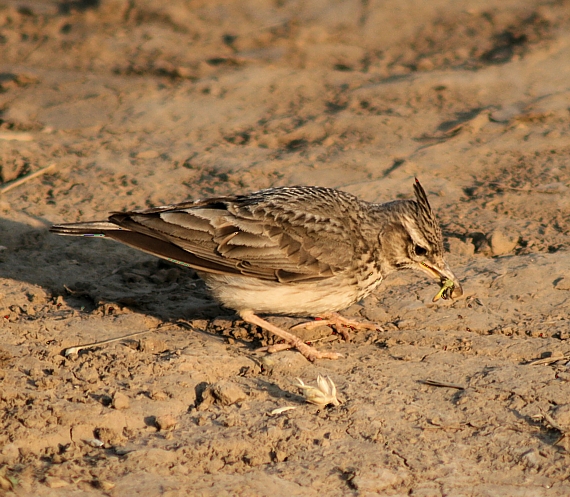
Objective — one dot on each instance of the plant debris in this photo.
(323, 394)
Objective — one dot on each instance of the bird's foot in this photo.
(339, 323)
(291, 341)
(310, 353)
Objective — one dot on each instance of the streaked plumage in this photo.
(302, 250)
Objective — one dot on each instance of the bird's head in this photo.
(412, 240)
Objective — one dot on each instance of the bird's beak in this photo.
(444, 274)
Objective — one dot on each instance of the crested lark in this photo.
(296, 251)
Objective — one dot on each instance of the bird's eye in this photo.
(420, 251)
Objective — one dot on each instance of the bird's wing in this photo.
(289, 237)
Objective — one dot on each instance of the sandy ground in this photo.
(140, 105)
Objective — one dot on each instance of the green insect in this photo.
(445, 291)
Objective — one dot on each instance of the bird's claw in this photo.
(307, 351)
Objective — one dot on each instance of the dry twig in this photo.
(24, 179)
(78, 348)
(436, 383)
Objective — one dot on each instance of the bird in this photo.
(306, 251)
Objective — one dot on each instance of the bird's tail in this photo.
(90, 228)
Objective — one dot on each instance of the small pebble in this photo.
(120, 401)
(165, 422)
(227, 393)
(53, 482)
(223, 393)
(562, 284)
(503, 241)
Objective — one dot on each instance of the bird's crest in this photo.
(421, 198)
(426, 218)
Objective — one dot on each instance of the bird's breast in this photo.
(293, 299)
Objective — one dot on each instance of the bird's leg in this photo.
(340, 323)
(291, 340)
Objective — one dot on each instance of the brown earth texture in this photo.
(140, 103)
